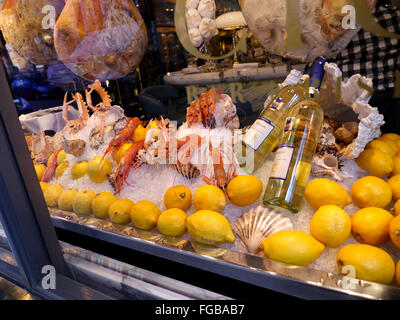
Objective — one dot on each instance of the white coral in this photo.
(208, 28)
(193, 18)
(207, 8)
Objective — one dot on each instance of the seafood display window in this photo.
(186, 190)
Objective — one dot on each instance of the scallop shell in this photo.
(254, 226)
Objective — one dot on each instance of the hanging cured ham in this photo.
(28, 26)
(320, 23)
(101, 39)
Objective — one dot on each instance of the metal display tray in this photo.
(301, 282)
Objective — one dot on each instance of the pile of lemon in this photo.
(372, 225)
(207, 225)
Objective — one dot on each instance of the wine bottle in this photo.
(263, 136)
(292, 165)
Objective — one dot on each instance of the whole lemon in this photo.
(62, 156)
(44, 186)
(144, 215)
(99, 169)
(376, 162)
(331, 226)
(40, 168)
(371, 225)
(322, 191)
(119, 211)
(396, 166)
(139, 134)
(371, 192)
(244, 190)
(209, 227)
(394, 183)
(294, 247)
(381, 145)
(178, 197)
(396, 208)
(79, 170)
(83, 202)
(370, 263)
(101, 203)
(66, 200)
(209, 198)
(392, 143)
(394, 231)
(61, 169)
(118, 155)
(398, 273)
(52, 194)
(172, 222)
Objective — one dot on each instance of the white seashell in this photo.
(192, 4)
(193, 19)
(195, 37)
(254, 226)
(207, 8)
(328, 165)
(208, 28)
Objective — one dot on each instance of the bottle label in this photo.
(277, 104)
(283, 159)
(289, 124)
(258, 133)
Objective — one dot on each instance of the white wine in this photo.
(263, 136)
(297, 146)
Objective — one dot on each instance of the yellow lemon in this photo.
(40, 168)
(376, 162)
(144, 215)
(381, 145)
(398, 273)
(61, 169)
(331, 226)
(52, 194)
(320, 192)
(396, 166)
(118, 155)
(44, 186)
(392, 143)
(178, 197)
(79, 170)
(99, 169)
(209, 198)
(139, 134)
(62, 156)
(172, 222)
(371, 192)
(394, 231)
(390, 136)
(101, 203)
(83, 202)
(371, 225)
(244, 190)
(209, 227)
(119, 211)
(370, 263)
(396, 208)
(66, 200)
(49, 159)
(151, 125)
(394, 183)
(294, 247)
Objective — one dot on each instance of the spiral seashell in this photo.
(254, 226)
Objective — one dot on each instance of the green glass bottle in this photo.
(297, 146)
